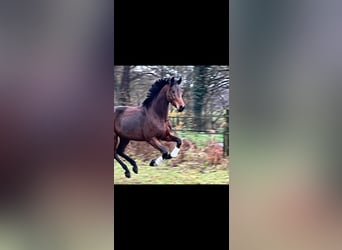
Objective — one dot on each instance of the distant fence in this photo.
(211, 124)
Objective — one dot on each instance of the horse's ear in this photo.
(172, 80)
(180, 80)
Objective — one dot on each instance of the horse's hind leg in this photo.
(123, 165)
(121, 149)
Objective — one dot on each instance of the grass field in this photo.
(200, 139)
(165, 174)
(193, 169)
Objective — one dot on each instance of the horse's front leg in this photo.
(176, 150)
(165, 154)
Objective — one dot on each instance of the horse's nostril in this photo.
(181, 108)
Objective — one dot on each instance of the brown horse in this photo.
(148, 122)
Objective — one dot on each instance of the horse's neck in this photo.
(160, 106)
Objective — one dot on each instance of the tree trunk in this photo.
(226, 134)
(116, 83)
(124, 96)
(162, 72)
(199, 92)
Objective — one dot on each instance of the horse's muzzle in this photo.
(181, 108)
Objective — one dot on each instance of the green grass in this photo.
(199, 138)
(187, 173)
(191, 171)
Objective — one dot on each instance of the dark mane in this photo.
(154, 90)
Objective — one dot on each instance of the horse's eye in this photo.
(172, 91)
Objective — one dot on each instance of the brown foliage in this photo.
(214, 153)
(211, 155)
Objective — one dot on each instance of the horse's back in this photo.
(129, 113)
(119, 108)
(128, 121)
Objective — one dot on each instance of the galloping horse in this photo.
(148, 122)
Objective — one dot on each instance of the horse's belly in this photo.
(131, 135)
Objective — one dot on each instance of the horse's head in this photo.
(175, 95)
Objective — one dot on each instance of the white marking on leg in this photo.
(174, 152)
(159, 160)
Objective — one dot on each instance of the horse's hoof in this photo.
(135, 170)
(128, 174)
(153, 163)
(166, 156)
